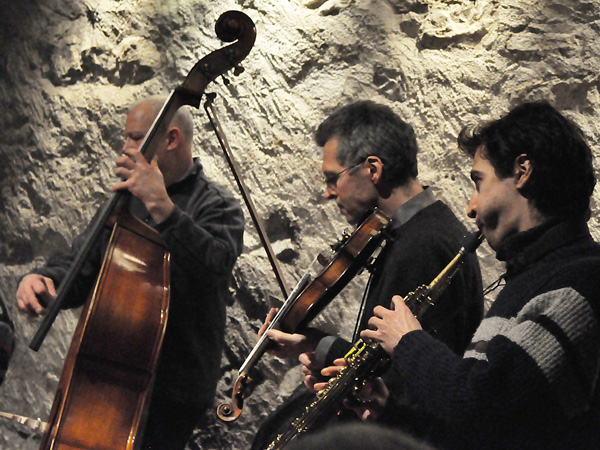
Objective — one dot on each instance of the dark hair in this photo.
(369, 129)
(563, 178)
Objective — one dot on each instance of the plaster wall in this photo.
(69, 69)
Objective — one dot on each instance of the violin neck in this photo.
(263, 343)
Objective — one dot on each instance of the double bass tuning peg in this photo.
(238, 70)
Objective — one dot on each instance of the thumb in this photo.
(50, 285)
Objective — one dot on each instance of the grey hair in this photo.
(366, 129)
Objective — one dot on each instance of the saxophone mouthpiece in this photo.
(473, 241)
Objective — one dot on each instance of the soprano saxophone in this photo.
(367, 359)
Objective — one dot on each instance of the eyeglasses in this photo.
(331, 181)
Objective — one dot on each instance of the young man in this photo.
(201, 225)
(370, 161)
(529, 378)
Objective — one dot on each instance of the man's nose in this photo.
(329, 193)
(128, 143)
(472, 206)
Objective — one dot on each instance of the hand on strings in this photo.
(145, 181)
(368, 402)
(34, 293)
(270, 316)
(288, 345)
(387, 326)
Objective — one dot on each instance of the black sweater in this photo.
(529, 378)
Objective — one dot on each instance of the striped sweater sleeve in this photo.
(543, 363)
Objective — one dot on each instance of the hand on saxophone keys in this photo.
(315, 378)
(369, 400)
(387, 326)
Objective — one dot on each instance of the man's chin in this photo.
(351, 220)
(490, 238)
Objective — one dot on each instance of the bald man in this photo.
(201, 225)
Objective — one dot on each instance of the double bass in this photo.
(103, 392)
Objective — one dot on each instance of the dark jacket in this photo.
(7, 339)
(204, 237)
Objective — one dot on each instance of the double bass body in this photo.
(107, 377)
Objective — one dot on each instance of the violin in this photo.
(310, 296)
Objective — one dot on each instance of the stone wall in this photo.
(69, 69)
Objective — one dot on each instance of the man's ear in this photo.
(375, 166)
(522, 170)
(173, 138)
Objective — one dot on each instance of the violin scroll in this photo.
(230, 411)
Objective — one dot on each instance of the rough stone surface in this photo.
(69, 69)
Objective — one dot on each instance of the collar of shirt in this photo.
(407, 210)
(191, 174)
(524, 248)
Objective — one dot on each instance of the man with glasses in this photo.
(370, 161)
